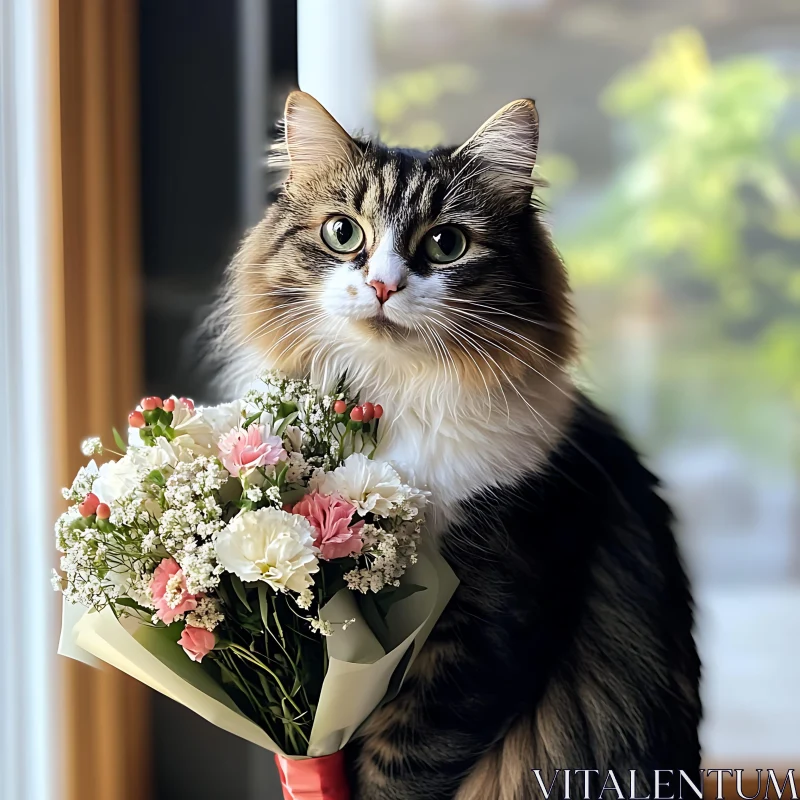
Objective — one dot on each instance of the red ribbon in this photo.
(321, 778)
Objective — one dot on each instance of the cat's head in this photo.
(374, 258)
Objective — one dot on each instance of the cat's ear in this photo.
(313, 136)
(508, 142)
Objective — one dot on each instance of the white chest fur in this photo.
(446, 438)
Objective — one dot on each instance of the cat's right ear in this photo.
(313, 136)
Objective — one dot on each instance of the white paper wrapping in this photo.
(358, 676)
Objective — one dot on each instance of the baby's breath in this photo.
(92, 446)
(321, 626)
(207, 614)
(171, 504)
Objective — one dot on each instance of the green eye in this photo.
(445, 244)
(342, 235)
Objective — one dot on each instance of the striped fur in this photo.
(568, 643)
(577, 655)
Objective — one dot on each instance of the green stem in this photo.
(257, 708)
(292, 661)
(248, 656)
(295, 668)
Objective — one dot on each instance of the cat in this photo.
(429, 280)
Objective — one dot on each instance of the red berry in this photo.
(188, 403)
(169, 404)
(378, 411)
(103, 511)
(357, 415)
(136, 419)
(340, 406)
(369, 411)
(89, 505)
(151, 403)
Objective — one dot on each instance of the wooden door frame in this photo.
(106, 743)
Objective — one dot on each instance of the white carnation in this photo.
(372, 486)
(221, 419)
(163, 453)
(116, 479)
(190, 425)
(269, 545)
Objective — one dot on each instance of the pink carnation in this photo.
(241, 451)
(331, 516)
(168, 581)
(197, 642)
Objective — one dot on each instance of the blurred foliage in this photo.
(699, 227)
(557, 171)
(405, 103)
(704, 203)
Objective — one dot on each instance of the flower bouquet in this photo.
(254, 562)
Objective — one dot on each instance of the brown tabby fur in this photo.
(568, 643)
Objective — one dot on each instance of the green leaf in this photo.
(119, 441)
(252, 627)
(386, 598)
(293, 496)
(374, 618)
(128, 603)
(251, 419)
(281, 429)
(157, 477)
(222, 592)
(281, 476)
(241, 592)
(286, 408)
(231, 678)
(266, 688)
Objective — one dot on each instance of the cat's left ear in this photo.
(508, 142)
(313, 136)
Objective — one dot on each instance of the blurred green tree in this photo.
(404, 100)
(704, 206)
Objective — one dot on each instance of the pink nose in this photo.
(383, 290)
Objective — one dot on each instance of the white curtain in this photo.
(28, 718)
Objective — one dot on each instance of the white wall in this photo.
(335, 63)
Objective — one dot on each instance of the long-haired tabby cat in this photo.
(429, 280)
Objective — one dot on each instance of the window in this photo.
(668, 133)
